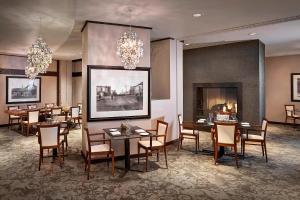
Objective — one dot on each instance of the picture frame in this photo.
(20, 89)
(114, 93)
(295, 87)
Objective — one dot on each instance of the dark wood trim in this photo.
(15, 55)
(99, 67)
(114, 24)
(4, 125)
(76, 74)
(292, 87)
(22, 77)
(58, 83)
(22, 72)
(283, 123)
(167, 38)
(77, 60)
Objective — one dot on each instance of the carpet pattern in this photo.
(189, 176)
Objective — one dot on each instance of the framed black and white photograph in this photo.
(115, 93)
(22, 90)
(295, 86)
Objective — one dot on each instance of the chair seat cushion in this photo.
(297, 116)
(146, 143)
(14, 117)
(252, 137)
(187, 131)
(100, 148)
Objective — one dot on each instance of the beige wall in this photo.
(65, 82)
(278, 85)
(77, 83)
(49, 83)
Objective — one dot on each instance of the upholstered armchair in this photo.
(158, 144)
(290, 113)
(13, 118)
(32, 119)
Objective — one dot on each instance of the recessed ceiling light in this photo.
(197, 15)
(252, 34)
(187, 44)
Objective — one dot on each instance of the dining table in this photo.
(131, 132)
(206, 125)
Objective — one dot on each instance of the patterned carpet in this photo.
(190, 175)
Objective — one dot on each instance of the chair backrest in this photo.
(289, 110)
(226, 133)
(49, 135)
(162, 129)
(49, 105)
(222, 117)
(264, 127)
(86, 139)
(33, 106)
(56, 111)
(180, 121)
(12, 108)
(33, 116)
(75, 111)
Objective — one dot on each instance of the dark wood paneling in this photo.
(167, 38)
(77, 60)
(22, 72)
(115, 24)
(76, 74)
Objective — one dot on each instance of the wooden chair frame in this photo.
(256, 142)
(217, 144)
(89, 153)
(10, 119)
(182, 136)
(60, 143)
(28, 124)
(157, 148)
(75, 118)
(293, 118)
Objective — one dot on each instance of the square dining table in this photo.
(126, 135)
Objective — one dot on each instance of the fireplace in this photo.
(217, 98)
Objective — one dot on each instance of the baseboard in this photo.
(3, 125)
(283, 123)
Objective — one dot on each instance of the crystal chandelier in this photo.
(39, 57)
(130, 49)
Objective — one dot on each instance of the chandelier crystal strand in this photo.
(130, 49)
(39, 57)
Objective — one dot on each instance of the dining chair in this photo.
(225, 135)
(32, 106)
(74, 115)
(256, 139)
(290, 114)
(32, 119)
(160, 135)
(12, 118)
(56, 111)
(49, 138)
(187, 133)
(97, 151)
(64, 132)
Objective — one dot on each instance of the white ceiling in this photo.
(277, 22)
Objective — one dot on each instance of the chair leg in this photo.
(107, 161)
(89, 167)
(196, 146)
(157, 156)
(166, 159)
(179, 139)
(236, 157)
(146, 160)
(139, 154)
(262, 149)
(216, 153)
(85, 163)
(59, 157)
(198, 142)
(113, 163)
(27, 133)
(265, 147)
(244, 145)
(40, 160)
(63, 151)
(181, 142)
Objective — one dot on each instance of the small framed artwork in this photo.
(115, 93)
(21, 89)
(295, 87)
